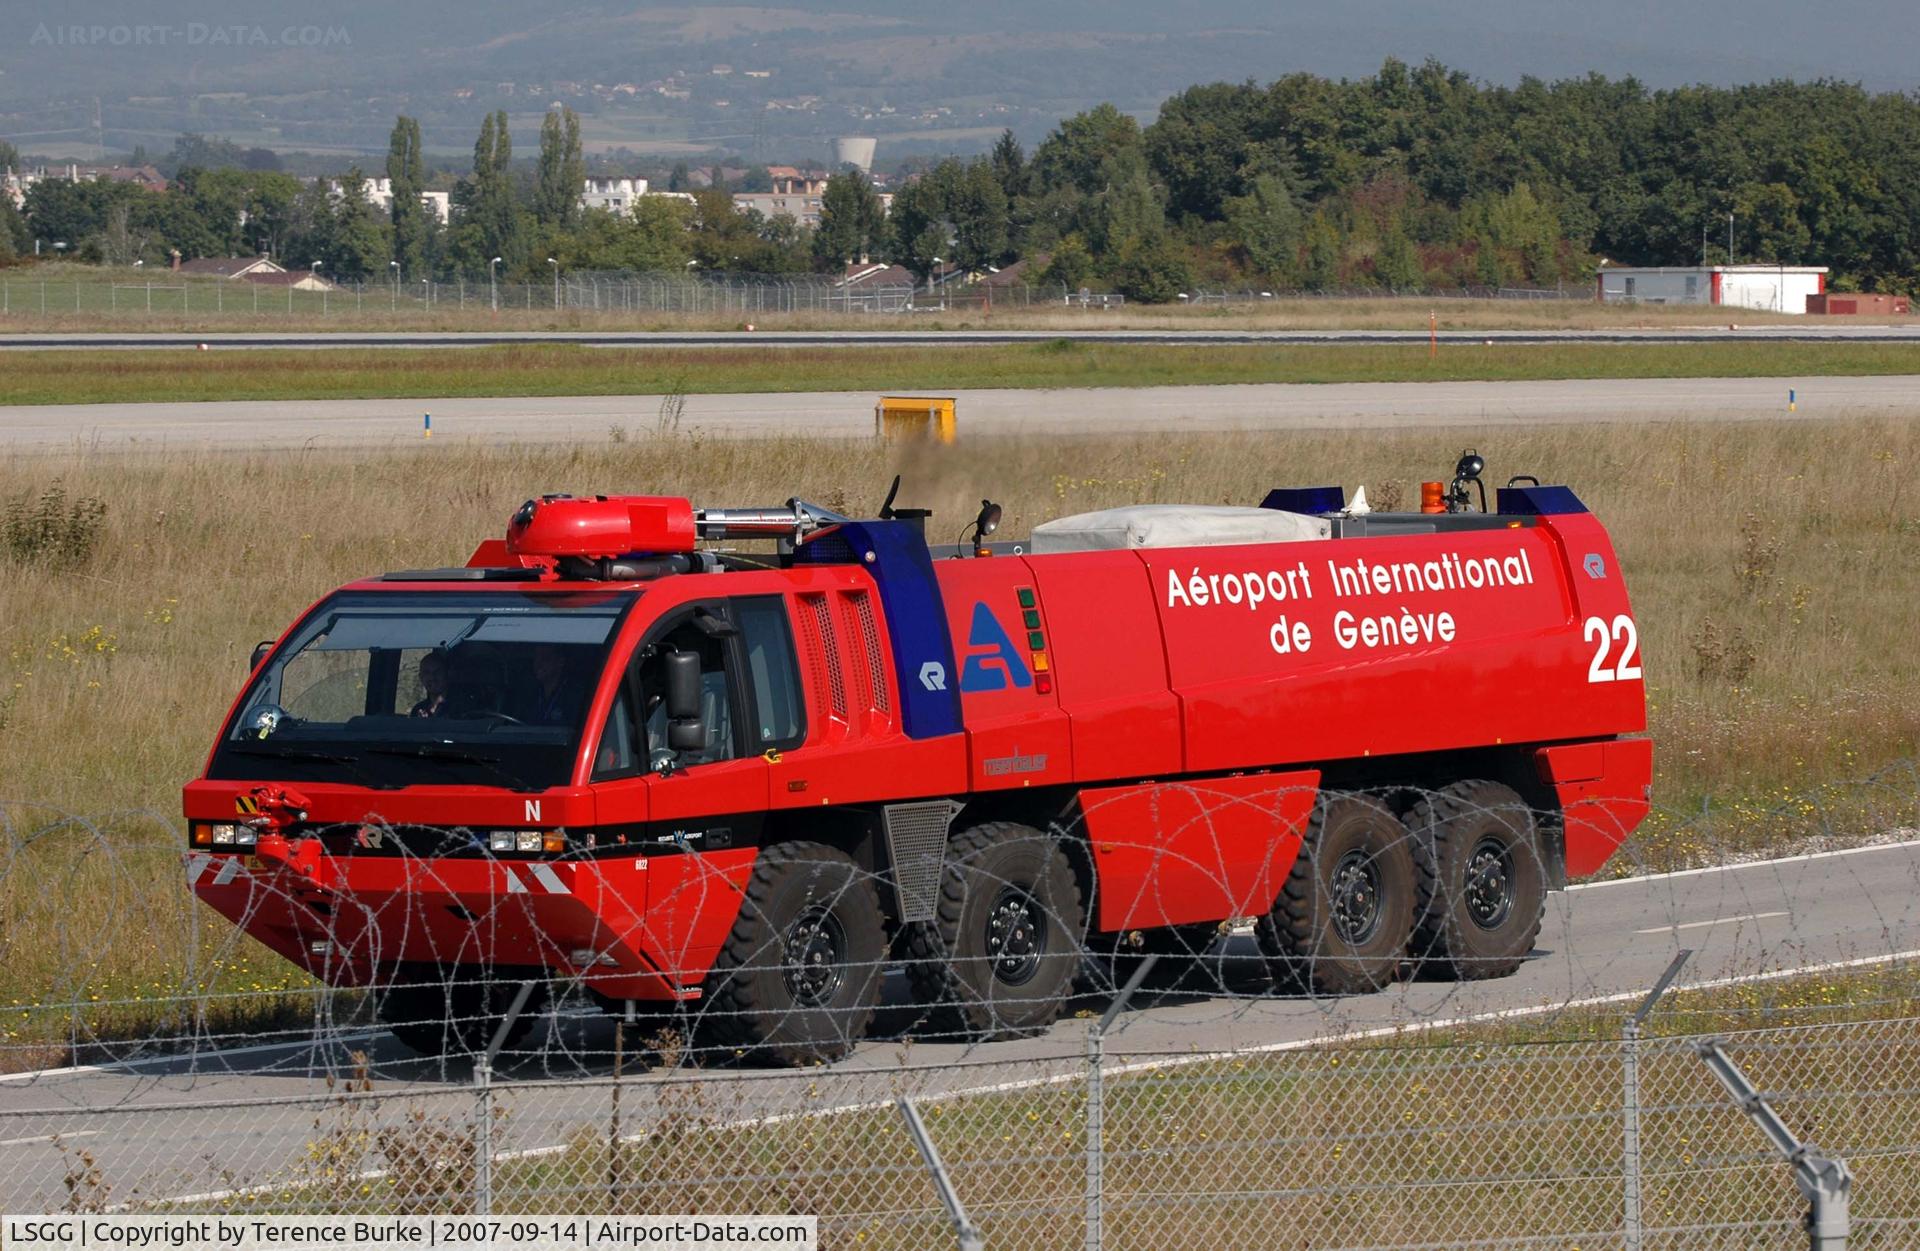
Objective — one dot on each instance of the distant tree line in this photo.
(1412, 179)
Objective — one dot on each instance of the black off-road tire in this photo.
(460, 1016)
(810, 1004)
(999, 958)
(1482, 887)
(1355, 862)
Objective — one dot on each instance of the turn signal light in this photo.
(553, 841)
(224, 834)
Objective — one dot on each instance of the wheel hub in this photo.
(1016, 936)
(816, 945)
(1489, 884)
(1356, 897)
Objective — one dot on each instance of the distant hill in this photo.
(921, 74)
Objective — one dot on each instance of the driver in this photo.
(433, 681)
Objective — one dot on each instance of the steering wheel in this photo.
(498, 718)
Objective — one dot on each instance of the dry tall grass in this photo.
(1770, 566)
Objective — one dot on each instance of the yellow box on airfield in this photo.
(914, 417)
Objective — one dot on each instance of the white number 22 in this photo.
(1623, 631)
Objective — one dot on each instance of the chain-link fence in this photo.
(1341, 1145)
(165, 295)
(1204, 294)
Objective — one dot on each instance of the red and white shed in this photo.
(1775, 288)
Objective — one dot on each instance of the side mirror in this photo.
(260, 651)
(683, 685)
(686, 735)
(686, 729)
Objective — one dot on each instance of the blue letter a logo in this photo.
(992, 664)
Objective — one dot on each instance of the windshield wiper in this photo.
(307, 755)
(291, 753)
(455, 755)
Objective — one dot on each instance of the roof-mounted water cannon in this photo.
(628, 537)
(794, 522)
(602, 526)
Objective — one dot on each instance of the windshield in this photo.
(399, 688)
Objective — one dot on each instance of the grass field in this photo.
(1768, 564)
(62, 377)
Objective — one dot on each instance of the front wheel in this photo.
(1342, 921)
(999, 958)
(798, 978)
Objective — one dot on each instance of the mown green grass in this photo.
(62, 377)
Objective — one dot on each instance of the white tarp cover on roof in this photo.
(1174, 525)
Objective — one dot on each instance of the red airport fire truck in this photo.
(609, 752)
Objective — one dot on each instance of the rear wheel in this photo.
(999, 959)
(1341, 923)
(1482, 888)
(799, 975)
(461, 1015)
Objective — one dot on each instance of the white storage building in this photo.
(1776, 288)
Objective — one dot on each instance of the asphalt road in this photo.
(1810, 330)
(167, 1127)
(282, 424)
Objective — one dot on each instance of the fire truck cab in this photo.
(742, 783)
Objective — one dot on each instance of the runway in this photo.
(263, 425)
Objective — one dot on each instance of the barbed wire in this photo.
(156, 1058)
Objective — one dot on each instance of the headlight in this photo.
(529, 840)
(227, 834)
(500, 840)
(245, 836)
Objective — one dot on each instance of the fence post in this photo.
(1096, 1105)
(1824, 1180)
(1630, 1092)
(483, 1105)
(963, 1229)
(616, 1164)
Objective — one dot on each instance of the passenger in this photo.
(433, 681)
(556, 699)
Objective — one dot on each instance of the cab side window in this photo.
(618, 755)
(704, 634)
(750, 694)
(772, 672)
